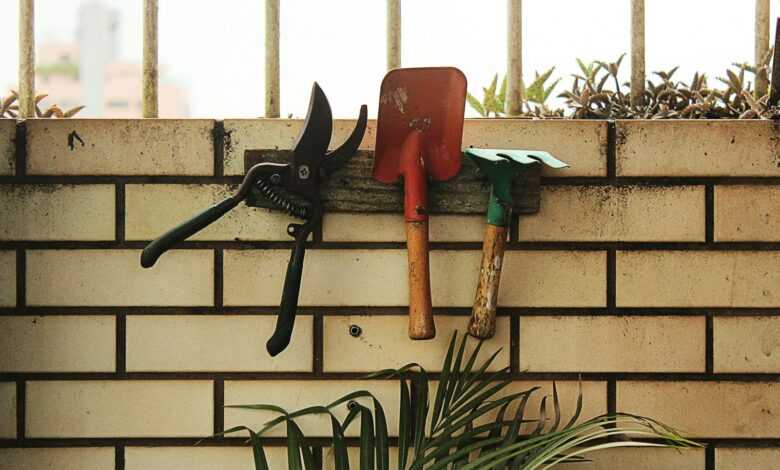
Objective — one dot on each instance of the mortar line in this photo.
(219, 406)
(318, 340)
(21, 278)
(611, 151)
(218, 141)
(709, 351)
(318, 458)
(119, 212)
(514, 344)
(709, 456)
(121, 343)
(21, 406)
(219, 291)
(612, 396)
(709, 213)
(119, 457)
(611, 278)
(20, 151)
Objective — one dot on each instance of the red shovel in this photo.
(419, 132)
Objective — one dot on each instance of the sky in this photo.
(215, 49)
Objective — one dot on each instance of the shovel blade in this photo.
(429, 100)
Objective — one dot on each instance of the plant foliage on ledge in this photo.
(596, 93)
(471, 423)
(8, 108)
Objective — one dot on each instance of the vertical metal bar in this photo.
(393, 34)
(762, 43)
(514, 63)
(26, 59)
(150, 71)
(637, 52)
(774, 93)
(272, 58)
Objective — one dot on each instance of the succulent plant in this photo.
(9, 108)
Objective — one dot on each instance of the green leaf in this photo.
(441, 391)
(340, 455)
(382, 442)
(293, 447)
(404, 424)
(476, 105)
(366, 438)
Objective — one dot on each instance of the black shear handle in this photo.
(292, 286)
(185, 230)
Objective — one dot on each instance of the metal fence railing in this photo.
(514, 97)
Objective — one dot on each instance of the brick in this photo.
(727, 458)
(362, 277)
(612, 344)
(644, 459)
(120, 147)
(7, 411)
(57, 458)
(706, 409)
(353, 455)
(353, 227)
(582, 144)
(120, 408)
(698, 279)
(697, 148)
(7, 278)
(746, 344)
(247, 134)
(383, 343)
(200, 458)
(617, 213)
(195, 343)
(7, 146)
(58, 344)
(153, 209)
(57, 212)
(115, 278)
(747, 213)
(293, 395)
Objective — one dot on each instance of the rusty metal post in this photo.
(272, 58)
(26, 59)
(637, 52)
(393, 34)
(150, 70)
(762, 42)
(513, 104)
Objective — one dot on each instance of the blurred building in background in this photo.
(88, 71)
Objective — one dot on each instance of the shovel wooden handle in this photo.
(483, 315)
(421, 324)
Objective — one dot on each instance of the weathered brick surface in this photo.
(363, 277)
(643, 459)
(57, 212)
(617, 213)
(747, 213)
(153, 209)
(383, 343)
(115, 278)
(293, 395)
(746, 458)
(7, 410)
(581, 144)
(120, 408)
(706, 409)
(697, 148)
(58, 344)
(612, 344)
(120, 147)
(594, 399)
(7, 147)
(353, 227)
(746, 344)
(213, 343)
(247, 134)
(200, 458)
(55, 458)
(7, 278)
(698, 279)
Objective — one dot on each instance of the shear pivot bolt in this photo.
(355, 330)
(303, 172)
(276, 178)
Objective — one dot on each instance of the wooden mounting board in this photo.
(353, 189)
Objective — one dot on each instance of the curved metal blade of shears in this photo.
(312, 144)
(339, 157)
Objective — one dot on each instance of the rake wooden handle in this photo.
(421, 324)
(483, 314)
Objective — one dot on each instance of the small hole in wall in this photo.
(355, 331)
(351, 404)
